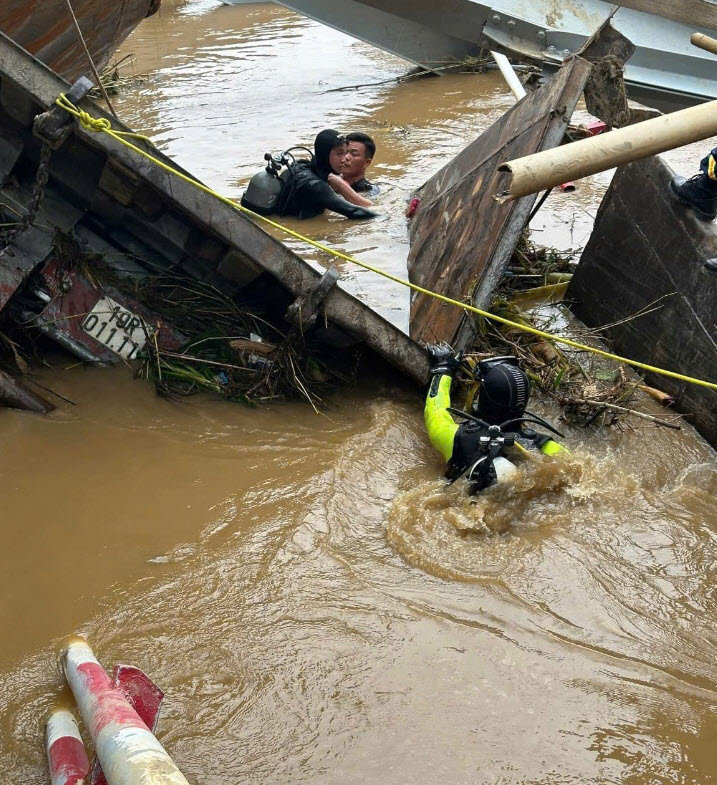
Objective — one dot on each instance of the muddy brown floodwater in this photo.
(316, 607)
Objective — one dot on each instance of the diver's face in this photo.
(336, 157)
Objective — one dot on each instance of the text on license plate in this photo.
(120, 330)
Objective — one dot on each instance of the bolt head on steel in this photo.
(710, 267)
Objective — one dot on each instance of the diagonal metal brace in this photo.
(55, 125)
(303, 312)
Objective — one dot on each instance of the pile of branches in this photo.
(592, 391)
(545, 272)
(469, 64)
(230, 351)
(225, 348)
(482, 62)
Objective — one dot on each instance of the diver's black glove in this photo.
(443, 359)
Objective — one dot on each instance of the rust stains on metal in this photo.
(45, 29)
(699, 13)
(461, 239)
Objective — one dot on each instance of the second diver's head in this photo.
(504, 392)
(329, 150)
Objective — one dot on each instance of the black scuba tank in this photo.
(271, 190)
(263, 194)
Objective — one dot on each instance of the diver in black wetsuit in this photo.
(307, 192)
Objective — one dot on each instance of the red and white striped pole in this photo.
(65, 751)
(127, 749)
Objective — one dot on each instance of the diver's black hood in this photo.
(504, 394)
(324, 144)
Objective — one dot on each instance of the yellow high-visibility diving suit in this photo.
(458, 443)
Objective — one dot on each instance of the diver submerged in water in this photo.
(302, 189)
(475, 448)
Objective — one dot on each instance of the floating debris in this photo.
(114, 80)
(592, 392)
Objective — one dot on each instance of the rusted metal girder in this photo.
(45, 29)
(461, 238)
(700, 13)
(641, 272)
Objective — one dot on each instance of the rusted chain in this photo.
(38, 192)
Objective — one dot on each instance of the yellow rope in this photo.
(104, 126)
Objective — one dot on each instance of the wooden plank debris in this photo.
(641, 272)
(698, 13)
(461, 238)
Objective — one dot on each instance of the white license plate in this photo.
(120, 330)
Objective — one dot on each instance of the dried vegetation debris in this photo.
(592, 391)
(116, 77)
(230, 351)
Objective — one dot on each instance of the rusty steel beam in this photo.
(45, 29)
(700, 13)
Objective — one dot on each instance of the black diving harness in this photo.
(480, 472)
(275, 163)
